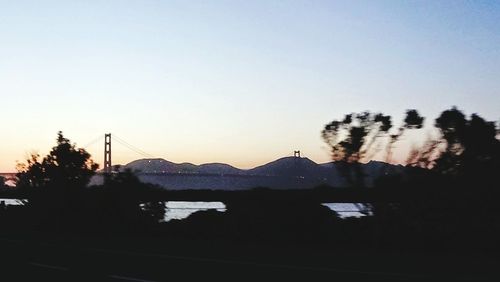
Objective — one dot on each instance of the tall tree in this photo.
(64, 167)
(413, 120)
(352, 139)
(471, 145)
(357, 138)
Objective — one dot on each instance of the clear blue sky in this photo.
(241, 82)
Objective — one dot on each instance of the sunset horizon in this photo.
(195, 140)
(236, 82)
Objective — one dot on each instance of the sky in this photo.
(239, 82)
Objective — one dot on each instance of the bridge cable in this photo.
(93, 141)
(132, 147)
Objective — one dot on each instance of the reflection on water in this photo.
(345, 210)
(13, 202)
(181, 210)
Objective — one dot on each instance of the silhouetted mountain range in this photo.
(284, 173)
(164, 166)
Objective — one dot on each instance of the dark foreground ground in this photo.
(46, 257)
(103, 235)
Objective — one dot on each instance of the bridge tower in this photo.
(107, 152)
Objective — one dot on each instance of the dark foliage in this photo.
(358, 137)
(472, 151)
(65, 166)
(446, 201)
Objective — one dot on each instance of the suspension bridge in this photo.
(104, 139)
(107, 160)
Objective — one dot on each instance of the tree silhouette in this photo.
(413, 120)
(2, 182)
(352, 139)
(64, 167)
(467, 150)
(31, 173)
(470, 145)
(357, 138)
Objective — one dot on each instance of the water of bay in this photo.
(183, 209)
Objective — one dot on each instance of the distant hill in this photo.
(288, 166)
(153, 166)
(218, 168)
(284, 173)
(371, 170)
(164, 166)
